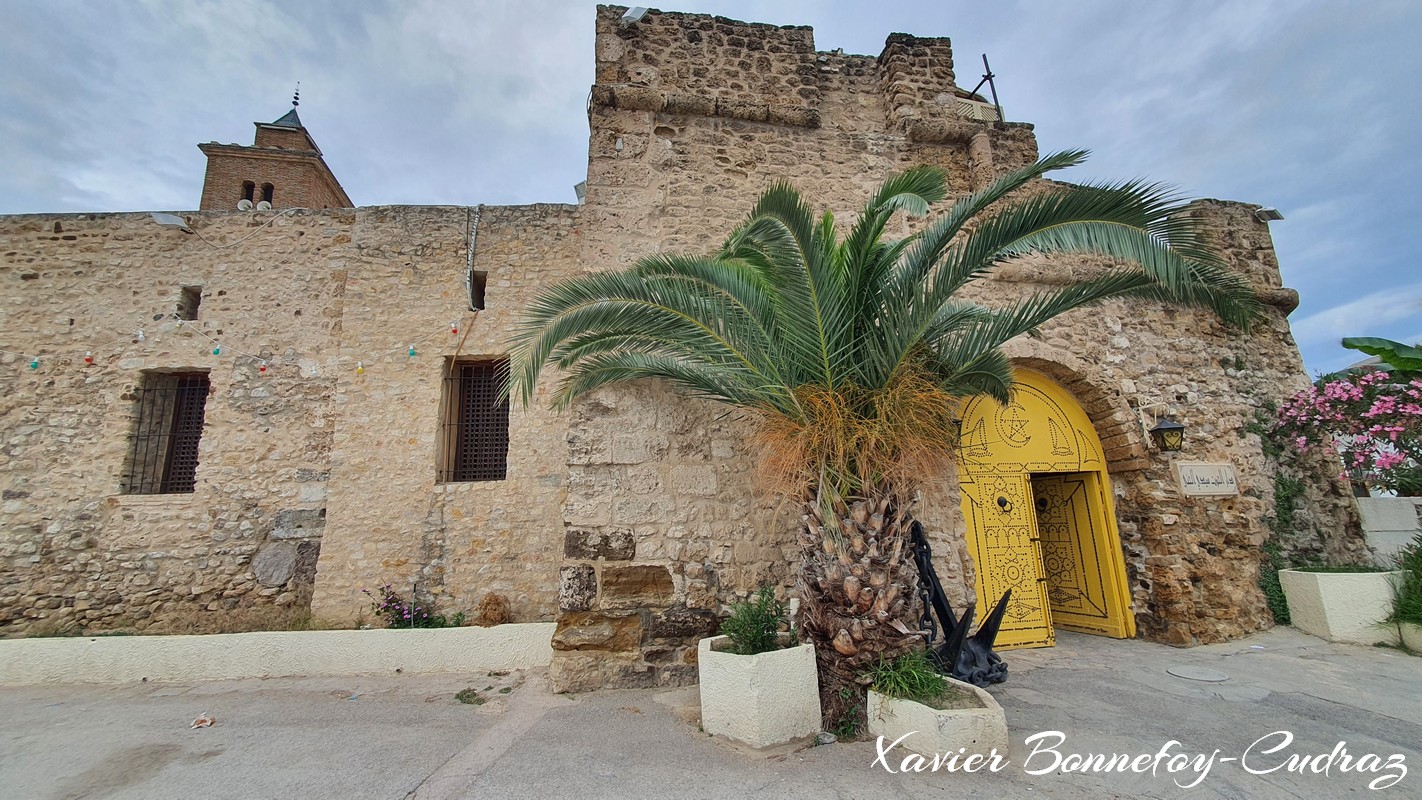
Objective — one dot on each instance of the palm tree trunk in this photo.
(858, 594)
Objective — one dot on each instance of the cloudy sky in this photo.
(1314, 108)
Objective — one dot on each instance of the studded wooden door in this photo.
(1004, 450)
(1077, 557)
(999, 509)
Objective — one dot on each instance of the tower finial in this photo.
(296, 96)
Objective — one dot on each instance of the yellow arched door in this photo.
(1037, 500)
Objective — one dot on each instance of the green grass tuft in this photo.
(909, 677)
(754, 625)
(469, 697)
(1407, 599)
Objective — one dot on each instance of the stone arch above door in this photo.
(1123, 439)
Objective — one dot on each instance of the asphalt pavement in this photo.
(1280, 714)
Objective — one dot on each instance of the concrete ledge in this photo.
(1390, 523)
(120, 659)
(630, 97)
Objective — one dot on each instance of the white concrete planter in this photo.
(760, 700)
(1412, 636)
(930, 731)
(1341, 606)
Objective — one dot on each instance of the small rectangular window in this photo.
(475, 428)
(188, 301)
(163, 456)
(477, 280)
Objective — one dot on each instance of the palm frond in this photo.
(852, 349)
(989, 373)
(1114, 222)
(707, 326)
(911, 192)
(961, 350)
(935, 240)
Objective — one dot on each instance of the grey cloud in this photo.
(1310, 107)
(1382, 313)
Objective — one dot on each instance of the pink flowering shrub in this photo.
(388, 605)
(1373, 420)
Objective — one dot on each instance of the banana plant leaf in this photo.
(1396, 356)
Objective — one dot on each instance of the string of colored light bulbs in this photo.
(218, 349)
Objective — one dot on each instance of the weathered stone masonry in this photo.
(309, 453)
(633, 518)
(692, 116)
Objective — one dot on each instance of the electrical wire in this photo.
(258, 230)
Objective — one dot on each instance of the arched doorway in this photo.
(1037, 500)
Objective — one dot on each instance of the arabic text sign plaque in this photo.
(1202, 479)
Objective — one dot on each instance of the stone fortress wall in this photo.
(691, 118)
(308, 454)
(633, 518)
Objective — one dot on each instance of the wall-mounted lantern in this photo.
(1168, 435)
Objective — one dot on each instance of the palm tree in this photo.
(851, 355)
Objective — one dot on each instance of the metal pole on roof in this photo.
(988, 77)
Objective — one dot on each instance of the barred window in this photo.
(474, 431)
(163, 456)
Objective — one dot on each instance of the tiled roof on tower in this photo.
(283, 168)
(289, 120)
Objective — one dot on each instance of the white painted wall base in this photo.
(120, 659)
(1341, 606)
(761, 700)
(931, 732)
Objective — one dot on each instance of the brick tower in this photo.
(283, 167)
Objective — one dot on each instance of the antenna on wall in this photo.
(988, 79)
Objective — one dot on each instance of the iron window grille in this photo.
(474, 429)
(163, 457)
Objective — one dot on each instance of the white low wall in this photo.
(120, 659)
(1389, 523)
